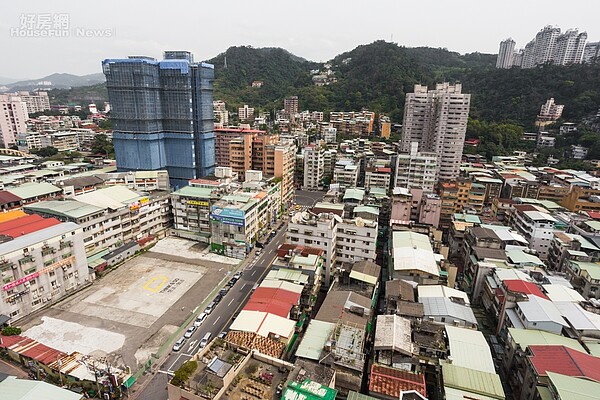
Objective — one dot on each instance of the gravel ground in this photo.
(70, 337)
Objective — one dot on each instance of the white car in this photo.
(200, 319)
(190, 331)
(179, 344)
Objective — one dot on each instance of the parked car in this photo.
(224, 291)
(222, 335)
(179, 344)
(210, 307)
(190, 331)
(200, 319)
(205, 339)
(237, 275)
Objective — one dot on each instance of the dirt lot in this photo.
(132, 311)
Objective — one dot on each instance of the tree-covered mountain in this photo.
(281, 72)
(377, 76)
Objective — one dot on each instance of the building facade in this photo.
(505, 54)
(162, 115)
(13, 119)
(416, 170)
(437, 120)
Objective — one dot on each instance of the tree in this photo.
(101, 145)
(46, 151)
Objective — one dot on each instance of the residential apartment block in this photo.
(13, 119)
(41, 261)
(162, 114)
(437, 120)
(416, 170)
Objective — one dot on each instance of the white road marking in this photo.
(243, 286)
(214, 323)
(253, 272)
(166, 372)
(230, 302)
(192, 343)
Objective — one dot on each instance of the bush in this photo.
(11, 330)
(183, 373)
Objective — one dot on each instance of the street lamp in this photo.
(59, 363)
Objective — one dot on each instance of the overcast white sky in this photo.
(315, 30)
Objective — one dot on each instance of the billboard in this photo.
(228, 216)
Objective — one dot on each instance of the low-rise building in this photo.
(41, 261)
(413, 259)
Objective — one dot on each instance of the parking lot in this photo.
(132, 311)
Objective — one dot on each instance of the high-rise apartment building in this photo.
(415, 170)
(550, 111)
(162, 114)
(591, 52)
(569, 47)
(13, 119)
(291, 105)
(36, 101)
(246, 113)
(505, 54)
(220, 112)
(314, 167)
(549, 45)
(437, 121)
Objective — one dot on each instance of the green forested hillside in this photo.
(377, 76)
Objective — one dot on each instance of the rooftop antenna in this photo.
(225, 63)
(392, 38)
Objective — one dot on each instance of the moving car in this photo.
(205, 339)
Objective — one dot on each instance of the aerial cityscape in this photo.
(398, 220)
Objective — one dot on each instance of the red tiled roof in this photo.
(594, 214)
(237, 130)
(8, 197)
(31, 349)
(519, 286)
(303, 250)
(525, 207)
(34, 227)
(384, 169)
(13, 223)
(272, 300)
(565, 361)
(391, 381)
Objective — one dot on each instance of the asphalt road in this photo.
(307, 198)
(217, 321)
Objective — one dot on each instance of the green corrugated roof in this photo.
(194, 191)
(411, 239)
(571, 388)
(473, 381)
(286, 274)
(354, 193)
(474, 219)
(30, 190)
(314, 339)
(593, 269)
(595, 225)
(527, 337)
(377, 192)
(308, 390)
(366, 209)
(520, 257)
(331, 206)
(352, 395)
(67, 208)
